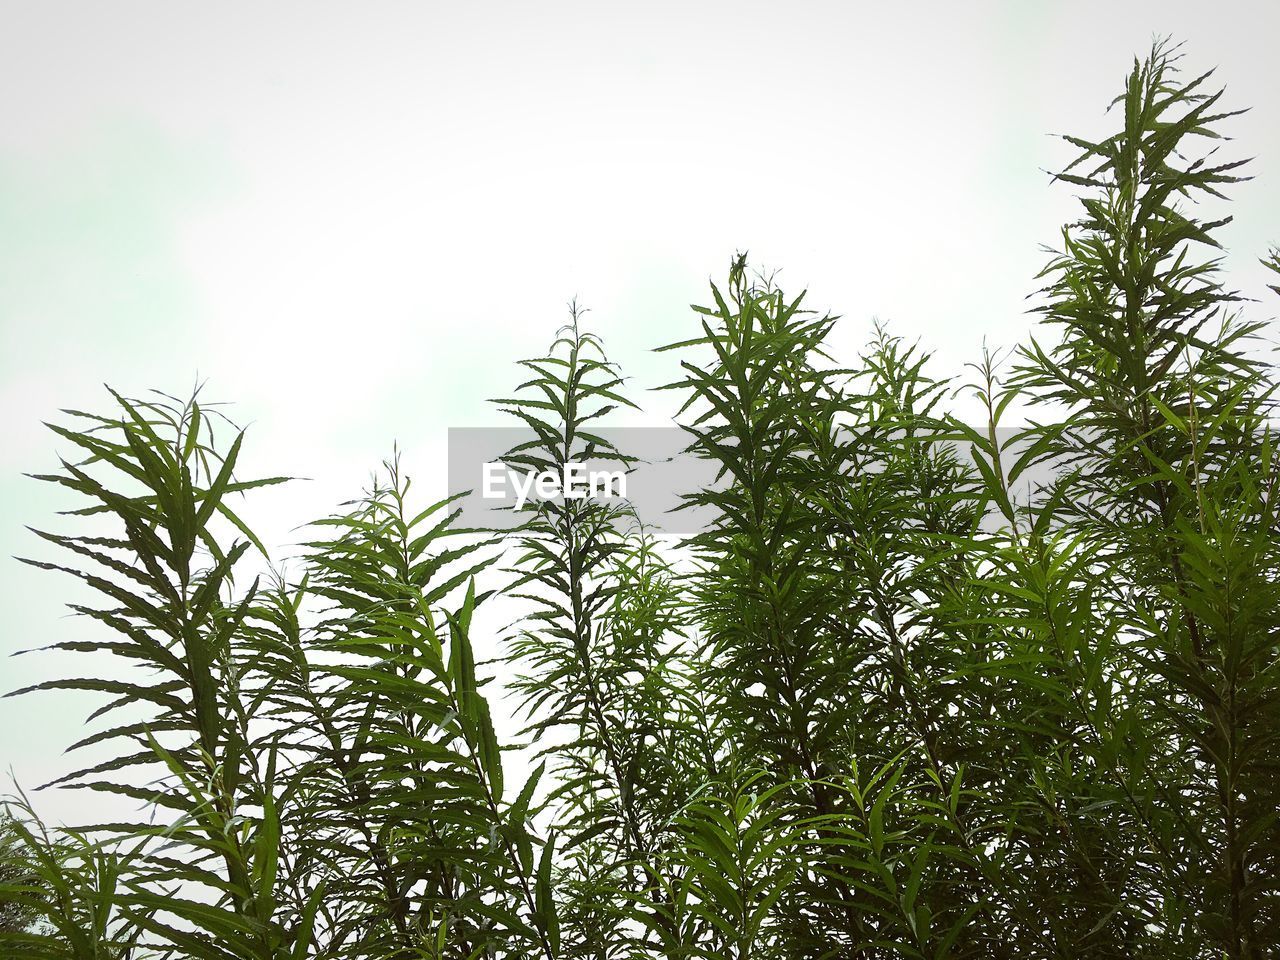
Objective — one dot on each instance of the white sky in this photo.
(353, 218)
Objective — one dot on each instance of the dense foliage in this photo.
(898, 700)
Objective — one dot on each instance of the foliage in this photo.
(17, 914)
(924, 688)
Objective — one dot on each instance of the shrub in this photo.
(895, 701)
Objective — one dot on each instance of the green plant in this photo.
(923, 688)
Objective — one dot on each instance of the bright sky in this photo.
(351, 219)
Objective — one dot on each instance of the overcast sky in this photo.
(351, 219)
